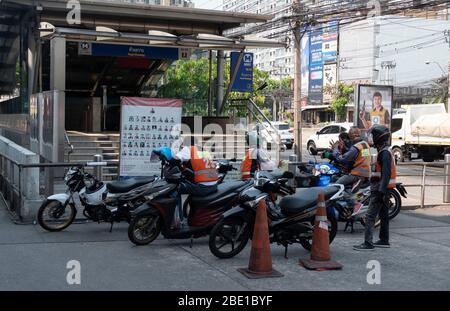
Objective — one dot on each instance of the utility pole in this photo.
(448, 93)
(297, 85)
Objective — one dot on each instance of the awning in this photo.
(317, 107)
(202, 41)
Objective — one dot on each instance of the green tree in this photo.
(189, 80)
(341, 97)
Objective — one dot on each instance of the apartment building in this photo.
(179, 3)
(280, 61)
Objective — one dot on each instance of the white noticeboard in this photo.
(146, 124)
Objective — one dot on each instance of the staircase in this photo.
(86, 145)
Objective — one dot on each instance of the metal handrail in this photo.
(68, 144)
(424, 175)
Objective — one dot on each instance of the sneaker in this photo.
(364, 247)
(382, 244)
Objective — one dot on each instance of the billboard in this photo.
(146, 124)
(373, 105)
(244, 75)
(329, 47)
(323, 52)
(316, 67)
(305, 51)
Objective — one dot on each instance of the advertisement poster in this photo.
(305, 63)
(329, 47)
(146, 124)
(316, 67)
(329, 79)
(374, 105)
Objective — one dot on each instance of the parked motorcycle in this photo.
(291, 221)
(361, 192)
(102, 202)
(322, 174)
(156, 215)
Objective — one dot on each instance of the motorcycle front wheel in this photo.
(332, 229)
(143, 230)
(229, 237)
(54, 217)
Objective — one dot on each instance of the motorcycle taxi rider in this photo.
(205, 179)
(256, 159)
(383, 178)
(353, 154)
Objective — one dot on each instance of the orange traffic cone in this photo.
(320, 252)
(260, 264)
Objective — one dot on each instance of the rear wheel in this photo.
(54, 217)
(229, 237)
(395, 203)
(144, 229)
(332, 229)
(398, 154)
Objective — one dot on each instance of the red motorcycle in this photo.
(156, 215)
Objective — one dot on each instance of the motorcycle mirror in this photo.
(188, 173)
(283, 180)
(287, 175)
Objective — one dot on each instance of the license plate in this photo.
(414, 155)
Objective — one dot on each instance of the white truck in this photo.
(421, 132)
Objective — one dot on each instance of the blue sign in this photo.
(244, 75)
(316, 67)
(119, 50)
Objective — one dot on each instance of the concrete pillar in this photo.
(58, 84)
(58, 64)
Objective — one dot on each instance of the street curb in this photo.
(416, 207)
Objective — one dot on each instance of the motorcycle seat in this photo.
(222, 190)
(129, 184)
(305, 198)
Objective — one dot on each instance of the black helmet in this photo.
(380, 135)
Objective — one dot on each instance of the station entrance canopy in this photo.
(144, 24)
(143, 28)
(115, 49)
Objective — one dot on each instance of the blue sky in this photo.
(208, 4)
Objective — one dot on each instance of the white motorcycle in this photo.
(100, 202)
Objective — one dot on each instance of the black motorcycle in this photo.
(291, 221)
(156, 215)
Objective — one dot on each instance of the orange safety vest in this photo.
(361, 167)
(377, 173)
(246, 167)
(204, 168)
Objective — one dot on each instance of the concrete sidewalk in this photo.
(32, 259)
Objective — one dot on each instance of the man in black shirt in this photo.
(382, 179)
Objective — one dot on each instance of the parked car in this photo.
(321, 140)
(286, 134)
(283, 129)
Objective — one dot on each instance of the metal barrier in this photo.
(11, 178)
(424, 175)
(423, 185)
(11, 184)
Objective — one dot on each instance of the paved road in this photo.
(31, 259)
